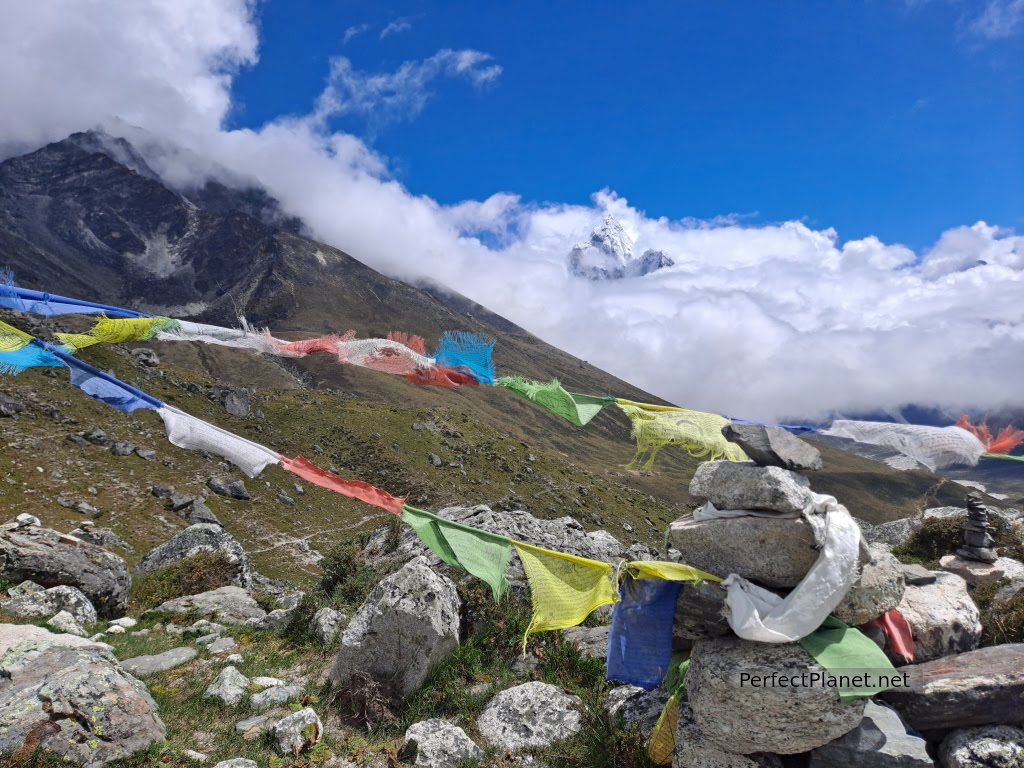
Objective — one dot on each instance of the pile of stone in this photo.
(726, 722)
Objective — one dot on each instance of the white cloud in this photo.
(396, 27)
(353, 32)
(1000, 20)
(402, 94)
(759, 321)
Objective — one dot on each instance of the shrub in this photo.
(200, 573)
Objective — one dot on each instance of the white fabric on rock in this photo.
(934, 447)
(187, 431)
(755, 613)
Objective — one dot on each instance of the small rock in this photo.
(99, 437)
(266, 682)
(976, 573)
(142, 666)
(125, 622)
(25, 588)
(533, 714)
(591, 641)
(162, 491)
(121, 448)
(294, 734)
(196, 757)
(990, 746)
(252, 726)
(878, 589)
(917, 575)
(116, 630)
(65, 622)
(200, 514)
(233, 490)
(85, 508)
(78, 440)
(229, 686)
(634, 705)
(435, 459)
(146, 454)
(438, 744)
(237, 402)
(237, 762)
(24, 520)
(273, 697)
(327, 624)
(180, 501)
(221, 645)
(285, 499)
(146, 357)
(234, 658)
(9, 407)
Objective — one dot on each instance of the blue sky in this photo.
(887, 118)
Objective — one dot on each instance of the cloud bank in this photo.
(763, 322)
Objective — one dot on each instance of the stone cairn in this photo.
(726, 720)
(977, 533)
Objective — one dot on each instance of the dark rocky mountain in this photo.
(88, 217)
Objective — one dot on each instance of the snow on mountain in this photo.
(608, 255)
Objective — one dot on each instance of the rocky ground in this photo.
(193, 656)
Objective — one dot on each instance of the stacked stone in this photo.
(727, 721)
(977, 534)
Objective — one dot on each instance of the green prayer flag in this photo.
(576, 409)
(844, 650)
(482, 554)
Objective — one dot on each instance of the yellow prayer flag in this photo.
(564, 589)
(656, 569)
(12, 339)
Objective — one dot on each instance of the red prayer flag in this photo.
(355, 489)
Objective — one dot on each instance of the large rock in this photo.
(327, 624)
(231, 605)
(590, 641)
(775, 552)
(530, 715)
(731, 709)
(76, 701)
(730, 485)
(294, 734)
(12, 634)
(65, 622)
(143, 666)
(408, 624)
(438, 744)
(198, 539)
(942, 616)
(773, 446)
(990, 746)
(982, 687)
(694, 750)
(47, 603)
(892, 534)
(878, 589)
(52, 559)
(880, 741)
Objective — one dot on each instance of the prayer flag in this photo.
(697, 433)
(355, 489)
(576, 409)
(836, 646)
(640, 639)
(186, 431)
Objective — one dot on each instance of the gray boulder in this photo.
(943, 618)
(274, 696)
(229, 686)
(76, 701)
(233, 490)
(327, 624)
(195, 540)
(731, 485)
(144, 666)
(745, 718)
(530, 715)
(408, 624)
(694, 750)
(65, 622)
(54, 559)
(25, 588)
(880, 741)
(12, 634)
(775, 552)
(891, 534)
(636, 706)
(976, 573)
(983, 687)
(591, 641)
(297, 732)
(237, 762)
(773, 446)
(230, 605)
(990, 746)
(41, 605)
(438, 744)
(878, 589)
(917, 575)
